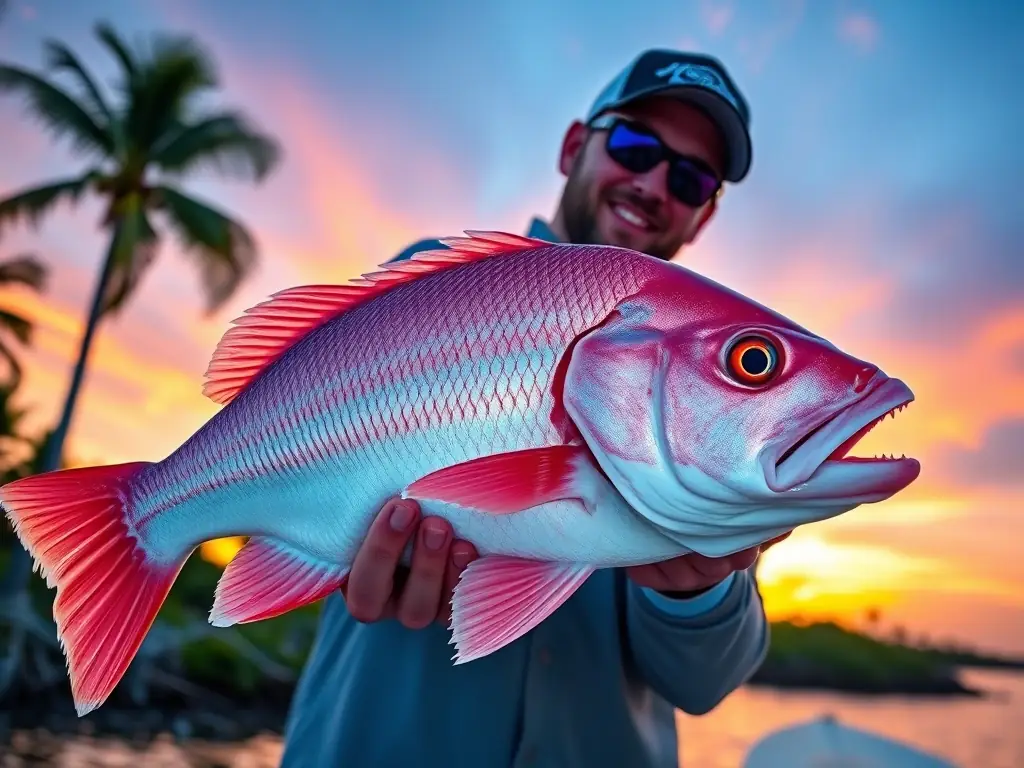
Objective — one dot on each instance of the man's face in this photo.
(607, 204)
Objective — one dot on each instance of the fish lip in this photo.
(815, 446)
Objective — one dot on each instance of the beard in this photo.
(579, 214)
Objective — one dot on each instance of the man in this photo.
(596, 683)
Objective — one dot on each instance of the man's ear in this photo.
(572, 144)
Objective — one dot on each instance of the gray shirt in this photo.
(593, 685)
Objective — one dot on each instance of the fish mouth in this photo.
(823, 452)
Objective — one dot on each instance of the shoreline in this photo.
(33, 718)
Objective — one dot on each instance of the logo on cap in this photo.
(684, 73)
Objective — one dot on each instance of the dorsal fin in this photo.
(261, 335)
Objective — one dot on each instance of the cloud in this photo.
(757, 48)
(956, 266)
(1016, 358)
(998, 459)
(859, 30)
(716, 15)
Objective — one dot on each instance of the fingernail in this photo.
(461, 558)
(401, 516)
(433, 536)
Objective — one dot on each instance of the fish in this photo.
(565, 407)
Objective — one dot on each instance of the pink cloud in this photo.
(690, 43)
(757, 49)
(716, 15)
(860, 30)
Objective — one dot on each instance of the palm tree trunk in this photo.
(19, 568)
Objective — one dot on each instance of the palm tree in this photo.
(139, 145)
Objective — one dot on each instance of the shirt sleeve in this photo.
(695, 658)
(691, 606)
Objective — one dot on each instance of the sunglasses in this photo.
(638, 149)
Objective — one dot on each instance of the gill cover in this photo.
(617, 395)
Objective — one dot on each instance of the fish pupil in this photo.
(755, 361)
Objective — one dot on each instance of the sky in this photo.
(883, 211)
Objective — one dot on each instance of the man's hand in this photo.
(689, 575)
(379, 588)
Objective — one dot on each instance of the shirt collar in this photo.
(541, 229)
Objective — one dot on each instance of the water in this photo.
(972, 733)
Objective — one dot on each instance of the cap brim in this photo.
(737, 138)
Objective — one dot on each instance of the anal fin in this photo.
(267, 578)
(499, 599)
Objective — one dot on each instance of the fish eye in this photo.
(752, 360)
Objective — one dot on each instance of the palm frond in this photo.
(109, 37)
(57, 110)
(21, 329)
(32, 204)
(10, 415)
(224, 141)
(60, 58)
(166, 82)
(18, 326)
(226, 251)
(24, 270)
(134, 251)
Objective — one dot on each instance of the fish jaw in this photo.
(814, 463)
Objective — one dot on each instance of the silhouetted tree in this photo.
(140, 142)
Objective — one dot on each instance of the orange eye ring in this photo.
(753, 360)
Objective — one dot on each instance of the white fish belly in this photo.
(326, 511)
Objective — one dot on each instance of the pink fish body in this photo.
(566, 407)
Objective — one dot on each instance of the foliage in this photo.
(27, 271)
(140, 139)
(155, 126)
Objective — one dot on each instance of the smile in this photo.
(831, 441)
(631, 216)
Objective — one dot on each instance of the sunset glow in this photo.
(898, 249)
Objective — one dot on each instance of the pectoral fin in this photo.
(510, 482)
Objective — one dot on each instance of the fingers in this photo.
(462, 554)
(372, 578)
(421, 597)
(379, 587)
(696, 572)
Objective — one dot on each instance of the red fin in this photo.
(265, 331)
(108, 590)
(499, 599)
(267, 578)
(508, 482)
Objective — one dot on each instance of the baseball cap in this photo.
(694, 78)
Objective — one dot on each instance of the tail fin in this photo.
(73, 524)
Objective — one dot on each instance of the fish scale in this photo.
(468, 359)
